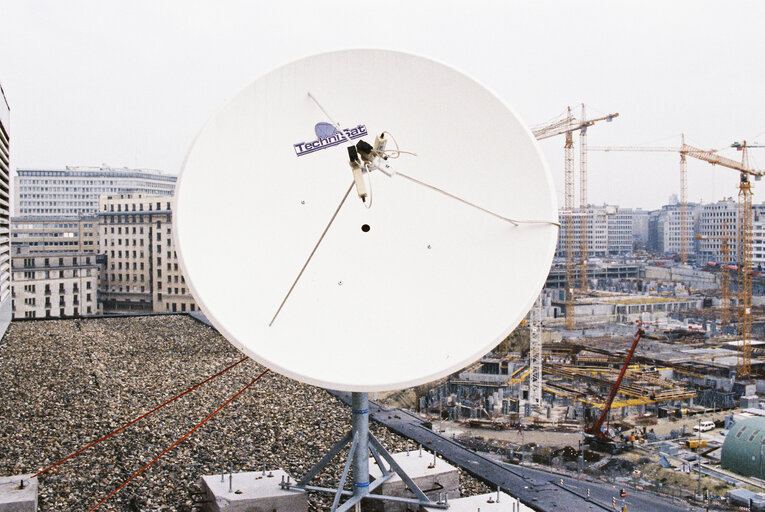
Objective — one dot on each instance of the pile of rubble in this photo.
(66, 383)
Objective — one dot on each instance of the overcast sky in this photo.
(131, 83)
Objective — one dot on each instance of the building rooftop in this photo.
(68, 382)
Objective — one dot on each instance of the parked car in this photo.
(704, 426)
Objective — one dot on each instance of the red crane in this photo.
(595, 430)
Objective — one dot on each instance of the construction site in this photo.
(640, 361)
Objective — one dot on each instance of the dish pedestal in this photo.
(362, 442)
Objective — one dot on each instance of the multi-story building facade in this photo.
(758, 236)
(5, 214)
(141, 272)
(597, 231)
(640, 228)
(664, 227)
(55, 234)
(627, 229)
(54, 286)
(75, 190)
(716, 221)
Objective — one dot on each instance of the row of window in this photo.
(135, 207)
(62, 313)
(48, 234)
(33, 262)
(52, 274)
(32, 301)
(32, 288)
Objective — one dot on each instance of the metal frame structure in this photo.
(584, 241)
(362, 443)
(744, 248)
(535, 354)
(595, 428)
(567, 124)
(568, 164)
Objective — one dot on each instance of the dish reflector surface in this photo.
(404, 292)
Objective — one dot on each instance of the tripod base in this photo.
(362, 442)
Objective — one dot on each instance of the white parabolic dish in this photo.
(430, 287)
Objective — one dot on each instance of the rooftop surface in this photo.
(68, 382)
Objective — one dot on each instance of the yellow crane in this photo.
(567, 124)
(744, 368)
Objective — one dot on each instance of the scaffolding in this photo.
(535, 354)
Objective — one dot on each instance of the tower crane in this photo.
(744, 367)
(567, 124)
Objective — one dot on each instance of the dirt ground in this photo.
(665, 426)
(539, 437)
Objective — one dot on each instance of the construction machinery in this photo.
(744, 366)
(567, 124)
(595, 434)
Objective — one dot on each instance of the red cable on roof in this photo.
(115, 491)
(176, 397)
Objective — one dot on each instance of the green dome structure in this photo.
(744, 447)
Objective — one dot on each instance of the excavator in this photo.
(595, 435)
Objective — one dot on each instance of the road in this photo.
(541, 490)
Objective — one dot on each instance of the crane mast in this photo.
(568, 166)
(567, 125)
(744, 363)
(725, 278)
(535, 353)
(584, 242)
(745, 270)
(683, 205)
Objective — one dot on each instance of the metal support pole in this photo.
(360, 422)
(698, 454)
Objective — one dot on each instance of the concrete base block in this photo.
(252, 492)
(485, 503)
(750, 402)
(14, 497)
(434, 480)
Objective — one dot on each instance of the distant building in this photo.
(717, 220)
(5, 214)
(758, 236)
(664, 229)
(75, 190)
(627, 229)
(141, 272)
(610, 230)
(54, 286)
(597, 232)
(640, 228)
(55, 234)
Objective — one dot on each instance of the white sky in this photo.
(131, 83)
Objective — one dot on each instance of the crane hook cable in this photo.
(176, 397)
(176, 443)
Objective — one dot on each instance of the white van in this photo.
(704, 426)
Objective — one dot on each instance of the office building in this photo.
(75, 190)
(52, 235)
(141, 272)
(716, 221)
(664, 229)
(54, 286)
(5, 213)
(627, 229)
(597, 232)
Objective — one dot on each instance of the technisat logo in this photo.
(327, 135)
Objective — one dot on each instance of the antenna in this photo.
(341, 292)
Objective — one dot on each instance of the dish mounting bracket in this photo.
(362, 443)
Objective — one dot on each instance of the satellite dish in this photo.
(349, 268)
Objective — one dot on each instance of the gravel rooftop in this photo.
(68, 382)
